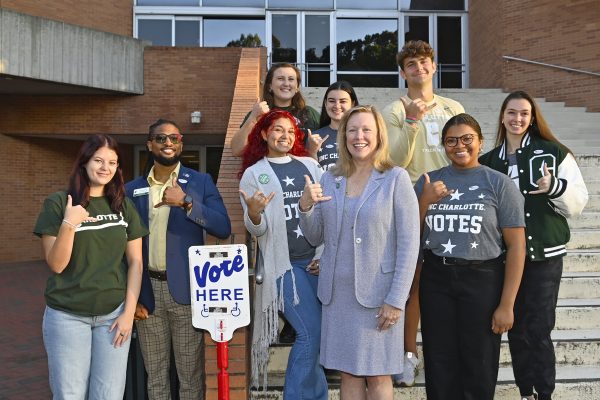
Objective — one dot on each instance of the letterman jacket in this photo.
(547, 231)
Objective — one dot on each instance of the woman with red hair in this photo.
(273, 175)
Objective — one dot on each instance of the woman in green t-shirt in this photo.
(92, 293)
(281, 90)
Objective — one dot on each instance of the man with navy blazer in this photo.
(178, 206)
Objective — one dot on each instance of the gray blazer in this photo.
(386, 237)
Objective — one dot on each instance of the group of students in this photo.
(365, 222)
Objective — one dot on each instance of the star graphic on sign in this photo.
(474, 245)
(456, 195)
(198, 252)
(298, 232)
(448, 246)
(289, 181)
(481, 196)
(239, 251)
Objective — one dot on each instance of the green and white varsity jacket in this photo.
(546, 231)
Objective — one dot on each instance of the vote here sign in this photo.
(219, 289)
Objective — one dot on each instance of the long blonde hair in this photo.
(381, 161)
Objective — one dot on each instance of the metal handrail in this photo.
(581, 71)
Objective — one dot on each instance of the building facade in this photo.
(70, 68)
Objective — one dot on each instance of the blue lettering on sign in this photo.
(219, 295)
(213, 272)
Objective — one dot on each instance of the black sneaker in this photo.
(287, 334)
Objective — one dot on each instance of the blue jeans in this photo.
(82, 361)
(304, 376)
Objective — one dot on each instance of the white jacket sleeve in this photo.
(568, 193)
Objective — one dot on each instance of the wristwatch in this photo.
(187, 202)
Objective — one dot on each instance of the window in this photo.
(234, 32)
(302, 5)
(369, 5)
(437, 5)
(157, 31)
(233, 3)
(367, 44)
(187, 33)
(168, 3)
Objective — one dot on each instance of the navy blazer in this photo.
(208, 214)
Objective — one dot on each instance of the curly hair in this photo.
(257, 148)
(414, 48)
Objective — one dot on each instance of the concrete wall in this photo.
(40, 48)
(114, 16)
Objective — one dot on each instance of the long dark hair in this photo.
(257, 148)
(539, 127)
(339, 85)
(79, 181)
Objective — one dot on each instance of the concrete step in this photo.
(572, 314)
(584, 239)
(572, 347)
(582, 261)
(573, 382)
(587, 220)
(580, 285)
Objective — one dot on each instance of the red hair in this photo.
(257, 148)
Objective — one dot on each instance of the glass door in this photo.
(447, 33)
(303, 39)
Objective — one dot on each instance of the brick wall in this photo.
(177, 82)
(561, 33)
(114, 16)
(247, 88)
(485, 47)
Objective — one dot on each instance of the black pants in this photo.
(461, 352)
(531, 349)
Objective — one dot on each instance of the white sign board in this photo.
(219, 289)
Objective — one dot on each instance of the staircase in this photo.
(577, 333)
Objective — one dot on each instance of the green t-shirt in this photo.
(94, 281)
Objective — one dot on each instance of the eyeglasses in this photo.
(465, 139)
(162, 138)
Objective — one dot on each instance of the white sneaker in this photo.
(532, 397)
(407, 377)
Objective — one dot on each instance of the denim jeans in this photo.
(304, 376)
(82, 361)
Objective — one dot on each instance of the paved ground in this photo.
(23, 366)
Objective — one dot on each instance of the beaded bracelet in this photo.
(411, 120)
(70, 224)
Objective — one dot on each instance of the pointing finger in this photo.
(69, 201)
(270, 196)
(426, 176)
(175, 184)
(325, 138)
(244, 195)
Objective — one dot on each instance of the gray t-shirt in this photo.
(468, 223)
(291, 177)
(328, 154)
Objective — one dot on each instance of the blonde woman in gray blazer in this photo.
(365, 212)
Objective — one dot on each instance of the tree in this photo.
(251, 40)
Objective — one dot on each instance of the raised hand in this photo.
(315, 141)
(259, 108)
(172, 196)
(313, 193)
(75, 215)
(416, 109)
(544, 182)
(256, 204)
(433, 192)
